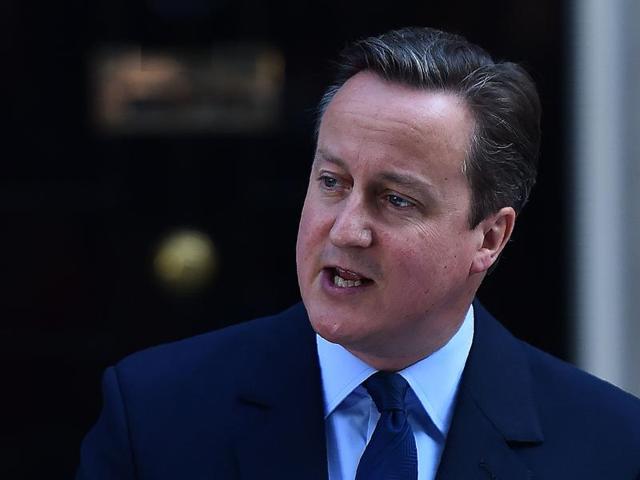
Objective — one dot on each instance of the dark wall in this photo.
(81, 213)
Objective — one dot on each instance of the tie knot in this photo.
(387, 390)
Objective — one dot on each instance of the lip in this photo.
(350, 270)
(330, 288)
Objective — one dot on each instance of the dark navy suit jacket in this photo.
(246, 403)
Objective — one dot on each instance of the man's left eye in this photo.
(398, 201)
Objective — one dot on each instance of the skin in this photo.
(388, 200)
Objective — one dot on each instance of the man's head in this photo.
(502, 162)
(426, 151)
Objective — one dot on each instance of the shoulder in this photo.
(571, 392)
(573, 407)
(223, 354)
(589, 423)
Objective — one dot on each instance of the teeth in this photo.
(338, 281)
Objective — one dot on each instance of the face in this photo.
(385, 253)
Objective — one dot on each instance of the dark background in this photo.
(81, 213)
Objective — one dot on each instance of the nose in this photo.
(351, 227)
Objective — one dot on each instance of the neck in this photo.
(393, 359)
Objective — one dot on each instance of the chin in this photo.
(344, 333)
(328, 328)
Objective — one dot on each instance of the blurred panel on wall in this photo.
(233, 88)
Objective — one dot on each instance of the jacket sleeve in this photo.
(106, 451)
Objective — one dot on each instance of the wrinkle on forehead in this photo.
(379, 127)
(428, 139)
(418, 116)
(373, 123)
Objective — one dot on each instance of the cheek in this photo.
(413, 269)
(306, 230)
(308, 217)
(315, 220)
(428, 263)
(311, 233)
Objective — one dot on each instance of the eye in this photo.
(398, 201)
(328, 182)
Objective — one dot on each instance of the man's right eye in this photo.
(328, 182)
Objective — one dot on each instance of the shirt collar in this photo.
(434, 380)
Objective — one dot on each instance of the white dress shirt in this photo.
(351, 415)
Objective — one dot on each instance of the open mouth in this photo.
(343, 278)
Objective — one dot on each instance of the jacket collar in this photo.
(495, 409)
(280, 432)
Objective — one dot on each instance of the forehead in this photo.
(374, 116)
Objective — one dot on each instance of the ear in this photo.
(495, 230)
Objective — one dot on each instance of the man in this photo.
(426, 152)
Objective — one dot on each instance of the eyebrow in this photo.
(320, 155)
(405, 180)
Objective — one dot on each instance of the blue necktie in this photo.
(391, 452)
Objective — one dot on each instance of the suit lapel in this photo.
(495, 410)
(280, 428)
(280, 432)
